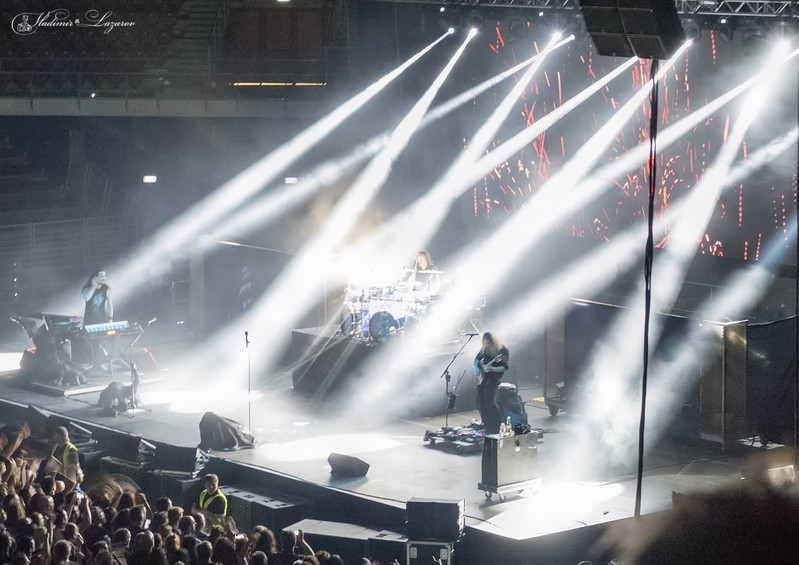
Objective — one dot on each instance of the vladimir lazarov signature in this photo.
(27, 23)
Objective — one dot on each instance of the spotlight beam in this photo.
(450, 309)
(285, 198)
(672, 264)
(599, 269)
(676, 376)
(554, 199)
(460, 182)
(596, 271)
(426, 214)
(169, 240)
(511, 239)
(293, 291)
(551, 205)
(615, 369)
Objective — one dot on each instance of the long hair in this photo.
(428, 258)
(495, 345)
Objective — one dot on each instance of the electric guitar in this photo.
(482, 366)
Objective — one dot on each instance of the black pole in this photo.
(249, 387)
(796, 292)
(648, 257)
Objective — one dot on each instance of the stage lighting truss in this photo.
(716, 8)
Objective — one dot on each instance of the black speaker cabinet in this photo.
(437, 520)
(350, 541)
(175, 458)
(274, 510)
(387, 546)
(347, 466)
(649, 29)
(509, 460)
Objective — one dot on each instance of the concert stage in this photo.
(560, 523)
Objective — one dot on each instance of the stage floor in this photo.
(293, 439)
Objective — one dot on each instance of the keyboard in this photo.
(107, 327)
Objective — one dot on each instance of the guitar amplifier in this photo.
(510, 459)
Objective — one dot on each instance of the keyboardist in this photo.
(97, 294)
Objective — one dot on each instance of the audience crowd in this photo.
(49, 516)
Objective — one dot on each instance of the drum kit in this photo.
(377, 312)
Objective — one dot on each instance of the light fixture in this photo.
(442, 9)
(290, 180)
(93, 94)
(278, 84)
(692, 29)
(725, 29)
(753, 37)
(149, 179)
(475, 21)
(451, 30)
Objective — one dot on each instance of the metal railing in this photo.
(731, 8)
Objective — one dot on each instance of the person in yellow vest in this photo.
(66, 453)
(213, 502)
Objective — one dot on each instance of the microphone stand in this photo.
(249, 379)
(447, 378)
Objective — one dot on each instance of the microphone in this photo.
(472, 334)
(247, 338)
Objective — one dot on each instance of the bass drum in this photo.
(382, 325)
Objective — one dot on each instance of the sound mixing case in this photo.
(510, 464)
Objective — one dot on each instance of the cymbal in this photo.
(425, 272)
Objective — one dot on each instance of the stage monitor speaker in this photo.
(118, 444)
(435, 520)
(347, 466)
(174, 458)
(649, 29)
(222, 434)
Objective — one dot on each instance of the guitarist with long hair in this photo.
(490, 364)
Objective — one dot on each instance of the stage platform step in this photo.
(96, 385)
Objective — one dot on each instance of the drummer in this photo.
(425, 275)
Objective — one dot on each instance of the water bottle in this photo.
(509, 427)
(502, 429)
